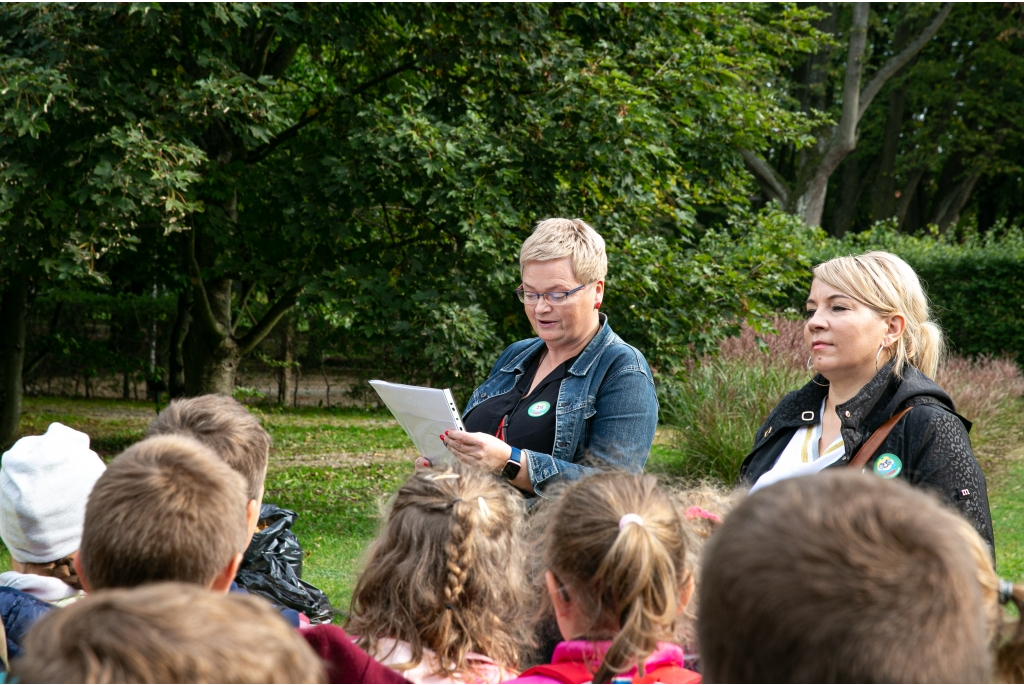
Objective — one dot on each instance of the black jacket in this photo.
(931, 440)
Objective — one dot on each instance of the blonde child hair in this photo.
(622, 570)
(888, 285)
(447, 574)
(704, 507)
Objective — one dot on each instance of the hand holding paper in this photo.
(424, 413)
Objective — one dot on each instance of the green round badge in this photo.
(538, 409)
(887, 465)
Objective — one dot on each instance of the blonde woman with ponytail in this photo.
(872, 403)
(616, 575)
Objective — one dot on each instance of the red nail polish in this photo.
(446, 433)
(442, 438)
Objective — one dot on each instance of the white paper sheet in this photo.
(424, 413)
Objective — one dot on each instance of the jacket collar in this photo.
(803, 406)
(583, 362)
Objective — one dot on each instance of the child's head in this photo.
(841, 577)
(447, 571)
(44, 484)
(704, 508)
(224, 425)
(167, 508)
(615, 554)
(166, 633)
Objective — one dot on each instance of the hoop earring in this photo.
(810, 368)
(880, 348)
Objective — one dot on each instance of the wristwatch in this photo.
(512, 466)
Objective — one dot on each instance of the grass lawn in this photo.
(336, 468)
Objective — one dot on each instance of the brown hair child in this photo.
(166, 508)
(704, 507)
(166, 633)
(615, 558)
(444, 590)
(841, 577)
(224, 425)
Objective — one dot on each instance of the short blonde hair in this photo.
(888, 285)
(558, 238)
(167, 633)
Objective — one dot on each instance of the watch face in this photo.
(511, 470)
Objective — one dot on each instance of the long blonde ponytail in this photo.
(629, 570)
(888, 285)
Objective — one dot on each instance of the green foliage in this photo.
(714, 410)
(678, 302)
(975, 282)
(95, 333)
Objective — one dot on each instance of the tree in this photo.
(77, 171)
(949, 143)
(805, 194)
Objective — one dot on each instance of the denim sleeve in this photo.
(620, 436)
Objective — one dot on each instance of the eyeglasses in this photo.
(526, 297)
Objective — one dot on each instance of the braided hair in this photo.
(446, 573)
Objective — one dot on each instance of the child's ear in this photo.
(686, 591)
(222, 583)
(560, 599)
(252, 517)
(77, 563)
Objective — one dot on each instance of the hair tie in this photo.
(449, 607)
(452, 503)
(1005, 591)
(698, 513)
(630, 518)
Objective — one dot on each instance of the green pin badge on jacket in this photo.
(538, 409)
(887, 465)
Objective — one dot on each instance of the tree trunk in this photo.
(907, 195)
(175, 355)
(883, 199)
(286, 374)
(817, 163)
(852, 186)
(951, 203)
(13, 311)
(812, 74)
(211, 358)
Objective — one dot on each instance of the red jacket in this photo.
(346, 663)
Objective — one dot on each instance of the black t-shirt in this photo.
(531, 419)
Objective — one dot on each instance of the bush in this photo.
(714, 409)
(676, 301)
(975, 283)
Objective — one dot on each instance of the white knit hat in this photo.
(45, 481)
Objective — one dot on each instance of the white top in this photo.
(482, 669)
(801, 458)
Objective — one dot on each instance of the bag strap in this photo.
(875, 441)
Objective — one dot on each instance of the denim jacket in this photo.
(606, 413)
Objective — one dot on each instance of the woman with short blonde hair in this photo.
(873, 403)
(572, 400)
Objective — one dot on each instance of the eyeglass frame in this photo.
(522, 291)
